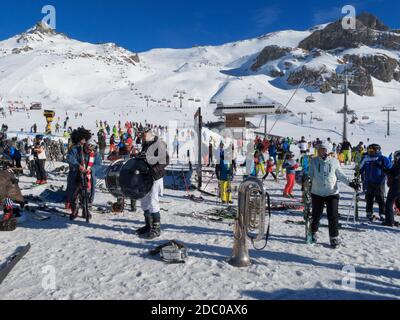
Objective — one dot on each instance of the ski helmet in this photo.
(396, 157)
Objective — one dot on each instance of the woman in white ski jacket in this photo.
(325, 172)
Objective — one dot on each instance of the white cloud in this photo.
(266, 16)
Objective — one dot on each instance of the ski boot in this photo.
(335, 243)
(146, 229)
(155, 231)
(74, 214)
(313, 238)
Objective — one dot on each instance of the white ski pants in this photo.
(151, 201)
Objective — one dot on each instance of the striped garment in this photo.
(89, 169)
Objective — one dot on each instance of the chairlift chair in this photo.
(311, 99)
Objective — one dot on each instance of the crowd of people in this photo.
(321, 161)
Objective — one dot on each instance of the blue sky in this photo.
(140, 25)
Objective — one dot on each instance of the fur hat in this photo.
(79, 134)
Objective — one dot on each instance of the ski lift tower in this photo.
(302, 114)
(345, 109)
(388, 110)
(260, 94)
(181, 97)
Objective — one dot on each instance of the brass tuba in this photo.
(251, 218)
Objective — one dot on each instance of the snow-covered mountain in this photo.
(103, 79)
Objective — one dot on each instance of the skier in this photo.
(324, 174)
(30, 160)
(153, 150)
(281, 158)
(224, 173)
(101, 137)
(290, 165)
(234, 158)
(259, 163)
(272, 151)
(305, 165)
(329, 145)
(373, 168)
(210, 153)
(303, 145)
(39, 154)
(346, 150)
(112, 144)
(270, 169)
(394, 191)
(358, 152)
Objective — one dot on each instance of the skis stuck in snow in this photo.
(307, 209)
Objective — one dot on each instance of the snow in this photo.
(105, 259)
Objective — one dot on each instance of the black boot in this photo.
(155, 231)
(75, 213)
(335, 243)
(146, 229)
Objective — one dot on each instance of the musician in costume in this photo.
(154, 152)
(83, 159)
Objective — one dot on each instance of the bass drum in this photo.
(129, 179)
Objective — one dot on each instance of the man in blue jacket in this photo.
(373, 169)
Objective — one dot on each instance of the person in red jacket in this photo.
(265, 145)
(270, 169)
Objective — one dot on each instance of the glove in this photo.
(356, 186)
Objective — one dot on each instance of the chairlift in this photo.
(311, 99)
(191, 99)
(197, 100)
(176, 96)
(213, 102)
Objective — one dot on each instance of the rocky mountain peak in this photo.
(371, 21)
(370, 31)
(39, 32)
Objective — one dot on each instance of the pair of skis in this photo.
(12, 261)
(307, 208)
